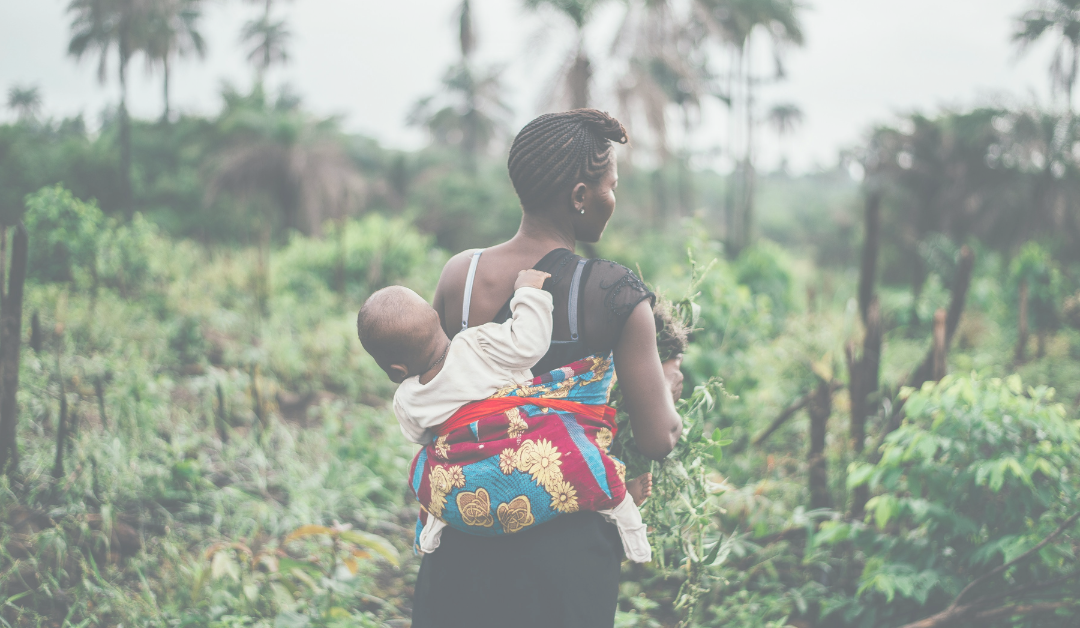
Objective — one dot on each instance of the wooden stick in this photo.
(790, 411)
(956, 612)
(1000, 569)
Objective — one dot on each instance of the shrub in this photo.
(980, 473)
(64, 234)
(371, 253)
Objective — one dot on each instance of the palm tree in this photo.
(1061, 19)
(268, 40)
(173, 31)
(735, 22)
(784, 118)
(470, 111)
(26, 101)
(663, 66)
(576, 74)
(97, 26)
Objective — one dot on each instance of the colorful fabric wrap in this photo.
(525, 455)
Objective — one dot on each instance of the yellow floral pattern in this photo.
(442, 481)
(517, 425)
(508, 461)
(515, 515)
(475, 508)
(603, 438)
(620, 469)
(563, 497)
(442, 448)
(597, 371)
(540, 459)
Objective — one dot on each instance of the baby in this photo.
(439, 376)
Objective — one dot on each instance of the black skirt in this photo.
(562, 574)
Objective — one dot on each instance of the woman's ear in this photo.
(577, 197)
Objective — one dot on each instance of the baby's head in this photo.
(401, 331)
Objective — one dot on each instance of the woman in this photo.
(564, 573)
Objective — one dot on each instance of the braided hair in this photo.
(557, 150)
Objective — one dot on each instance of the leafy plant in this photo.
(64, 234)
(980, 473)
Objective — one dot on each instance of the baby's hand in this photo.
(531, 278)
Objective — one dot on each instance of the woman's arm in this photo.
(648, 387)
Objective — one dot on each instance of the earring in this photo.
(582, 211)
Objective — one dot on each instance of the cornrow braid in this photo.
(557, 150)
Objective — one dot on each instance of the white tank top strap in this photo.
(468, 290)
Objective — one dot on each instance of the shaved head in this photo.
(397, 326)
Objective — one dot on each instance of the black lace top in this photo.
(607, 293)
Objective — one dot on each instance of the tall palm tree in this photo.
(173, 31)
(664, 66)
(268, 40)
(1059, 19)
(470, 111)
(26, 101)
(736, 22)
(97, 26)
(784, 119)
(576, 74)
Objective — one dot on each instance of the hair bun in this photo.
(601, 123)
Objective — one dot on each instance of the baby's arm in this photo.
(520, 342)
(410, 427)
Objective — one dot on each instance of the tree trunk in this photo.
(125, 135)
(580, 76)
(749, 172)
(731, 210)
(820, 408)
(939, 349)
(165, 86)
(1022, 336)
(868, 266)
(865, 375)
(35, 332)
(11, 303)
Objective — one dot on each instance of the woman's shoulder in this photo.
(621, 288)
(457, 267)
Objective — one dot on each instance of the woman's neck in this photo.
(539, 230)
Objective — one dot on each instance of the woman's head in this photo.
(565, 162)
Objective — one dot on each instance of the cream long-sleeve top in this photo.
(481, 360)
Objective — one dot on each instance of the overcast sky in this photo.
(864, 62)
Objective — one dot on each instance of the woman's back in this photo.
(592, 299)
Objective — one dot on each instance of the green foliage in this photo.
(366, 255)
(760, 269)
(981, 471)
(64, 234)
(1035, 268)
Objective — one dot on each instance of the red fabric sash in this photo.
(487, 407)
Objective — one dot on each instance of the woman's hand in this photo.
(673, 375)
